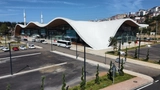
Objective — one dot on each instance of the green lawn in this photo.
(104, 82)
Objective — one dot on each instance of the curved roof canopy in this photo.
(95, 34)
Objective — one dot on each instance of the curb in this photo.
(148, 78)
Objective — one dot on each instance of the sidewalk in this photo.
(131, 84)
(134, 83)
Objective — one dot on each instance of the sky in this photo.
(12, 10)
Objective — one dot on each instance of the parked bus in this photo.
(64, 43)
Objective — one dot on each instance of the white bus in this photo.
(64, 43)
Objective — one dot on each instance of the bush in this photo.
(97, 81)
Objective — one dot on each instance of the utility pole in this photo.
(10, 58)
(119, 54)
(85, 63)
(156, 30)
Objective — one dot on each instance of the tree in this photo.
(8, 87)
(135, 53)
(82, 84)
(126, 53)
(64, 83)
(121, 69)
(113, 42)
(147, 56)
(97, 81)
(42, 85)
(110, 71)
(3, 29)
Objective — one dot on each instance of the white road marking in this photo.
(20, 56)
(29, 71)
(144, 86)
(157, 81)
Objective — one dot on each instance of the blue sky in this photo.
(12, 10)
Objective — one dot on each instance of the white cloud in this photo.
(8, 14)
(123, 6)
(49, 1)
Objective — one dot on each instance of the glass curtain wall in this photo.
(126, 33)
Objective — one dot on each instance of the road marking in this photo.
(144, 86)
(157, 81)
(29, 71)
(20, 56)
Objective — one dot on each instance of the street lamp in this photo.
(51, 42)
(85, 63)
(119, 54)
(10, 58)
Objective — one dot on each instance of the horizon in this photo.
(13, 10)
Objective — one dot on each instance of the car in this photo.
(122, 53)
(44, 41)
(33, 40)
(1, 47)
(31, 46)
(5, 49)
(22, 47)
(25, 39)
(117, 60)
(15, 49)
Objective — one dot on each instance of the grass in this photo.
(104, 82)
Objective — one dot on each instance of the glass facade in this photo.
(126, 33)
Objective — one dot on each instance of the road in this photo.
(32, 80)
(129, 66)
(154, 52)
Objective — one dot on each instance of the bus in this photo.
(64, 43)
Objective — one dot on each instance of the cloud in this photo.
(124, 6)
(50, 1)
(8, 14)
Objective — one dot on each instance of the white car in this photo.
(22, 47)
(45, 42)
(5, 49)
(31, 46)
(122, 53)
(1, 47)
(117, 60)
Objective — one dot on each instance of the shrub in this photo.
(64, 83)
(135, 54)
(42, 85)
(97, 81)
(82, 84)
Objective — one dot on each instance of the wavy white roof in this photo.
(95, 34)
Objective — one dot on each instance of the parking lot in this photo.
(39, 59)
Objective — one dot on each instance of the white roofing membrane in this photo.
(95, 34)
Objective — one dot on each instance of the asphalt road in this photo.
(32, 80)
(45, 52)
(154, 52)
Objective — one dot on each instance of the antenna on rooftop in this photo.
(41, 18)
(24, 15)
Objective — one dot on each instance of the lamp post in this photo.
(119, 54)
(76, 49)
(85, 63)
(51, 42)
(10, 58)
(139, 45)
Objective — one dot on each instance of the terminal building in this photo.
(94, 34)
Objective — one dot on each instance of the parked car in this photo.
(22, 47)
(44, 41)
(31, 46)
(1, 47)
(33, 40)
(5, 49)
(15, 49)
(117, 60)
(25, 39)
